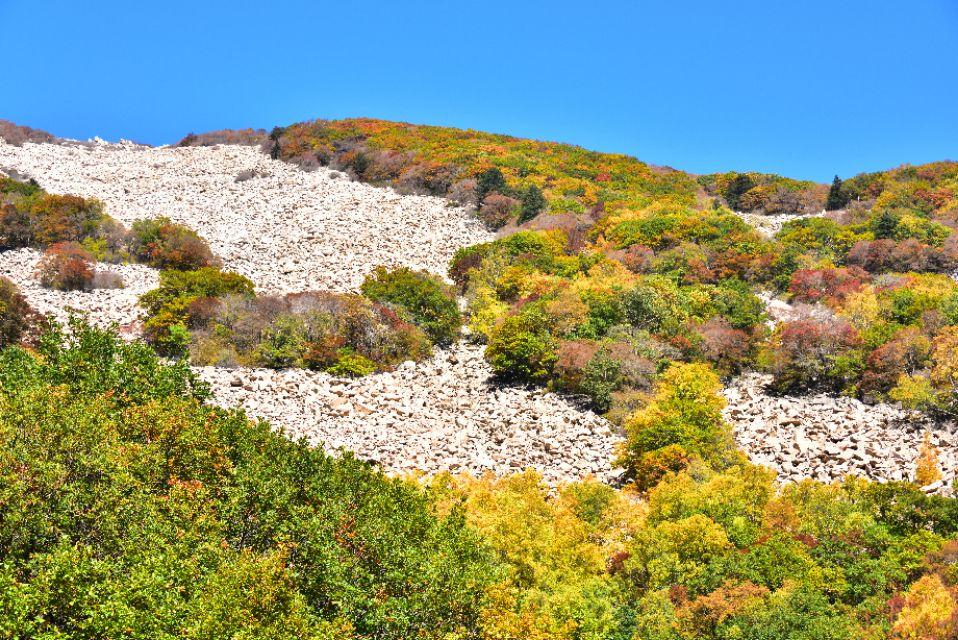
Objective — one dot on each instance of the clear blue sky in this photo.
(807, 89)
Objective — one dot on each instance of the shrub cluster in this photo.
(67, 266)
(874, 340)
(18, 321)
(18, 134)
(249, 137)
(343, 334)
(419, 297)
(765, 193)
(30, 217)
(584, 323)
(217, 319)
(181, 302)
(163, 244)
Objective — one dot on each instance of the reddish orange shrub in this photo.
(68, 267)
(167, 245)
(497, 210)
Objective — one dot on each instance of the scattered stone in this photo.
(446, 413)
(820, 436)
(103, 306)
(286, 229)
(769, 225)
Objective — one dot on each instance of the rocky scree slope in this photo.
(286, 229)
(291, 230)
(104, 307)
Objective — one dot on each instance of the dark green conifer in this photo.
(837, 196)
(533, 202)
(491, 180)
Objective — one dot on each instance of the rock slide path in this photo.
(440, 414)
(825, 437)
(289, 230)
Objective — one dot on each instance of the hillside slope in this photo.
(285, 229)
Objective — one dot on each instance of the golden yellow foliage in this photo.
(861, 308)
(928, 612)
(913, 392)
(927, 470)
(699, 617)
(557, 545)
(944, 373)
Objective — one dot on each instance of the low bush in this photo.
(249, 137)
(498, 210)
(815, 354)
(344, 334)
(169, 307)
(421, 297)
(165, 245)
(68, 267)
(17, 319)
(351, 365)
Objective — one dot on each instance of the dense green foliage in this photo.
(129, 509)
(423, 299)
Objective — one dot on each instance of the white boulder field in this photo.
(286, 229)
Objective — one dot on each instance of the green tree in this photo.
(490, 181)
(427, 301)
(533, 202)
(685, 413)
(837, 196)
(737, 188)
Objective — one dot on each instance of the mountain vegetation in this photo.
(131, 507)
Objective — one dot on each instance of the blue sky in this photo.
(807, 89)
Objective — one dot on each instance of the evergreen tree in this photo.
(885, 224)
(737, 188)
(490, 180)
(533, 202)
(837, 196)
